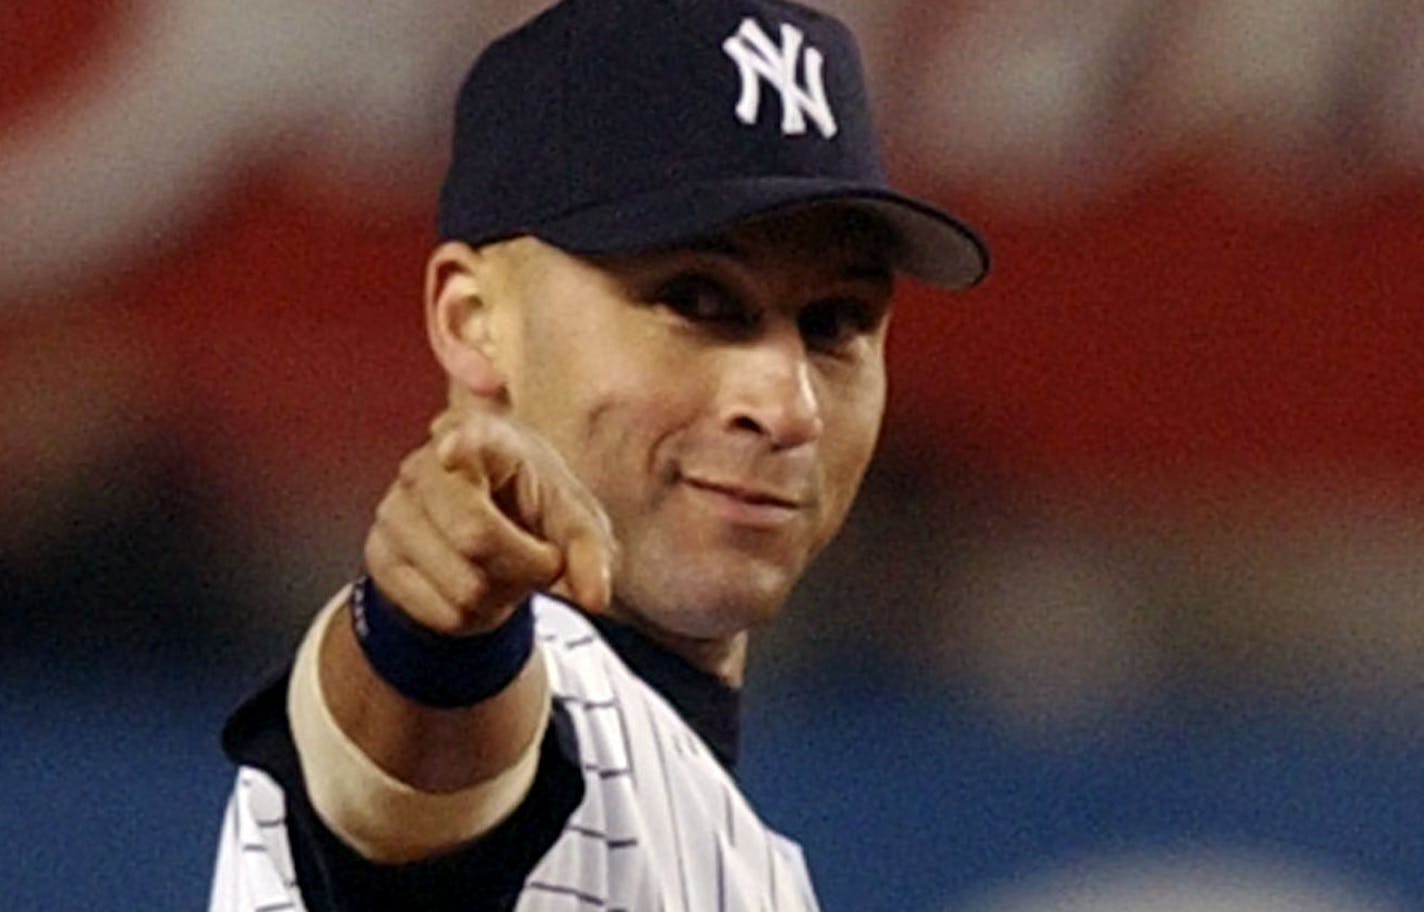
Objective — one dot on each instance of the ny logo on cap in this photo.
(757, 58)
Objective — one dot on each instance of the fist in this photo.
(480, 517)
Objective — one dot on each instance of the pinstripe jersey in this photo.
(662, 827)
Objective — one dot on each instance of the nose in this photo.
(771, 391)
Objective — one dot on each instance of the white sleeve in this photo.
(254, 864)
(384, 819)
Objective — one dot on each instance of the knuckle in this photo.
(410, 467)
(474, 431)
(469, 591)
(446, 443)
(471, 537)
(375, 552)
(444, 422)
(532, 570)
(405, 586)
(394, 581)
(387, 511)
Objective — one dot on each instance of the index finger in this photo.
(487, 452)
(530, 482)
(566, 514)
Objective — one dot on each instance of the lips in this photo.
(747, 506)
(753, 496)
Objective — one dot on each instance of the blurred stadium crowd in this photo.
(1132, 611)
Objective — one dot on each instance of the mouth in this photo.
(747, 505)
(754, 496)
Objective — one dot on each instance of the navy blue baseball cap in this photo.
(609, 126)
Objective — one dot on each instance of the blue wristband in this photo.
(433, 669)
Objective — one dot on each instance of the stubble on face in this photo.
(635, 400)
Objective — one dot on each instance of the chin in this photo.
(708, 602)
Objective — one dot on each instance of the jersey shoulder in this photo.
(662, 824)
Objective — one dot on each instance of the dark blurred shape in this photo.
(123, 569)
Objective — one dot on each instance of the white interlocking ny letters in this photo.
(757, 58)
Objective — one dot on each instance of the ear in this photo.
(458, 318)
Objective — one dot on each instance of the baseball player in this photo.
(660, 298)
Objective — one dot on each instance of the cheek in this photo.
(592, 375)
(853, 419)
(631, 411)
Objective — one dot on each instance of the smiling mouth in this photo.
(750, 496)
(745, 507)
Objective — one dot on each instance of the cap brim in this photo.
(932, 245)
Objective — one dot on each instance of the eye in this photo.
(832, 324)
(700, 299)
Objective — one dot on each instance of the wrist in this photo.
(435, 669)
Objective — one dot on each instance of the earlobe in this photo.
(458, 319)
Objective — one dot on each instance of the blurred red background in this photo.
(1177, 336)
(1170, 447)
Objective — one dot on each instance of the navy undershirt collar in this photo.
(709, 706)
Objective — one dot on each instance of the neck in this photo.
(724, 658)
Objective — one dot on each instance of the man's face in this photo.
(722, 402)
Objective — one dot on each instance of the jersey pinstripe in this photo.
(662, 827)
